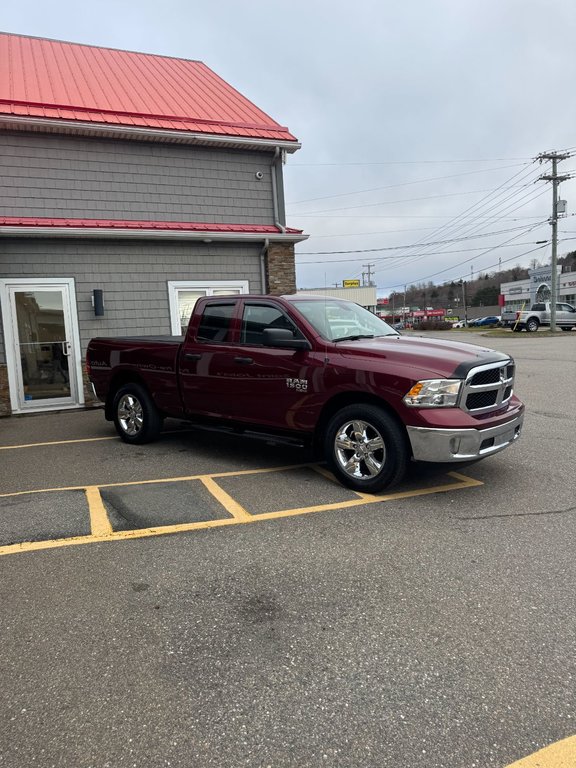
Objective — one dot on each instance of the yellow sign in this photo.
(351, 283)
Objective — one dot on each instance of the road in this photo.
(433, 626)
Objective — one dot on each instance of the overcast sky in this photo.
(419, 121)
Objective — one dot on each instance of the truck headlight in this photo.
(434, 393)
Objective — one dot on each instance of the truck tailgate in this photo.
(154, 359)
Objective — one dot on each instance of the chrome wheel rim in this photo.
(130, 415)
(359, 449)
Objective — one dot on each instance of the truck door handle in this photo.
(244, 360)
(192, 356)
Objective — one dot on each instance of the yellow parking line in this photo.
(161, 480)
(56, 442)
(99, 522)
(101, 532)
(230, 504)
(368, 498)
(80, 440)
(562, 754)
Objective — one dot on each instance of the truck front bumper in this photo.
(446, 445)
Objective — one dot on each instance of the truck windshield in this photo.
(342, 320)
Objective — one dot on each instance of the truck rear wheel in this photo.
(532, 324)
(135, 416)
(365, 448)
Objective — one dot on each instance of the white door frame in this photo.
(10, 335)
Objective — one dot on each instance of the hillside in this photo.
(481, 292)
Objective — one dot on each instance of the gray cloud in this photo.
(380, 94)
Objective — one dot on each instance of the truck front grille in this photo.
(488, 387)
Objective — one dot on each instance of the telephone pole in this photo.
(555, 179)
(367, 274)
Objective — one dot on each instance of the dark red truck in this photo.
(315, 368)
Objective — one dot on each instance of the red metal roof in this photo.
(181, 226)
(42, 78)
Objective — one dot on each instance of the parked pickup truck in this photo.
(539, 314)
(508, 317)
(319, 369)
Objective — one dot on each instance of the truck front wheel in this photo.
(135, 416)
(365, 448)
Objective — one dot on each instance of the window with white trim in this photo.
(183, 295)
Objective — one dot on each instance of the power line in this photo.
(418, 257)
(467, 226)
(406, 183)
(455, 224)
(463, 277)
(342, 262)
(397, 202)
(422, 248)
(411, 245)
(411, 162)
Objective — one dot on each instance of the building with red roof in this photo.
(132, 184)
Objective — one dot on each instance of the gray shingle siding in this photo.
(134, 276)
(60, 176)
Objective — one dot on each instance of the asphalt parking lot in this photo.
(208, 600)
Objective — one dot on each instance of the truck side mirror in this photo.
(283, 337)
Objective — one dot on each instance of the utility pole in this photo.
(368, 273)
(555, 179)
(404, 308)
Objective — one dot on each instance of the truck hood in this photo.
(437, 357)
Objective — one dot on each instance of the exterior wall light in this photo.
(98, 302)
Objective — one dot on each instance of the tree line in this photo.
(483, 291)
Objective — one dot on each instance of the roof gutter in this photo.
(143, 134)
(274, 169)
(111, 233)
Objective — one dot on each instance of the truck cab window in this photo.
(215, 323)
(257, 317)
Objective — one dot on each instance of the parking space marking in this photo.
(99, 523)
(231, 473)
(102, 531)
(561, 754)
(80, 440)
(236, 510)
(57, 442)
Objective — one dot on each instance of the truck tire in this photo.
(532, 324)
(136, 418)
(365, 448)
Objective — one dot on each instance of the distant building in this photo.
(536, 287)
(365, 296)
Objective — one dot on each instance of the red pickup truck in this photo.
(323, 369)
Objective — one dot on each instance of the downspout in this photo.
(274, 165)
(263, 266)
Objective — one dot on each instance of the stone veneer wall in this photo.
(281, 269)
(5, 409)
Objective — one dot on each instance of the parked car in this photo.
(491, 320)
(459, 324)
(539, 314)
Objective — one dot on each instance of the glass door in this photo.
(44, 353)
